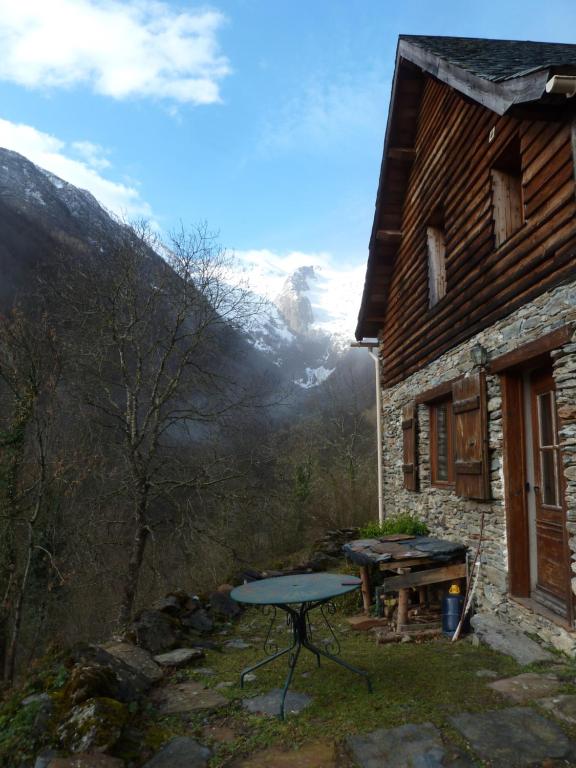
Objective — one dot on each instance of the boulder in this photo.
(179, 657)
(99, 673)
(223, 606)
(156, 631)
(198, 620)
(95, 725)
(137, 658)
(43, 708)
(169, 604)
(182, 752)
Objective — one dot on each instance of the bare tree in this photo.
(153, 339)
(30, 464)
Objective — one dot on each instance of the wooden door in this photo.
(551, 555)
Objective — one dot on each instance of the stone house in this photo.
(471, 292)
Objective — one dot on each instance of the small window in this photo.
(442, 443)
(507, 199)
(436, 264)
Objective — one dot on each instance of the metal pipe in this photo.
(370, 345)
(376, 358)
(562, 84)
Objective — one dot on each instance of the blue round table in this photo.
(297, 596)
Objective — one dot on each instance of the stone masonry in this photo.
(455, 518)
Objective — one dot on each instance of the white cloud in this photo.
(54, 155)
(335, 292)
(326, 111)
(141, 48)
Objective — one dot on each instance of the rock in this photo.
(208, 645)
(225, 588)
(95, 725)
(45, 758)
(527, 687)
(177, 698)
(237, 644)
(137, 658)
(182, 752)
(179, 657)
(223, 606)
(225, 684)
(563, 707)
(203, 671)
(169, 604)
(250, 677)
(44, 709)
(198, 620)
(99, 673)
(514, 737)
(505, 638)
(86, 761)
(156, 631)
(406, 747)
(269, 703)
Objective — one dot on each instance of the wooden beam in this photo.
(389, 235)
(406, 154)
(418, 579)
(533, 349)
(436, 393)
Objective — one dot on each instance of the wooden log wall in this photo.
(451, 170)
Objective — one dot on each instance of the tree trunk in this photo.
(135, 563)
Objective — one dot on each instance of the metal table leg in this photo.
(299, 620)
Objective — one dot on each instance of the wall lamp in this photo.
(479, 355)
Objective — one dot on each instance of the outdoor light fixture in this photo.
(479, 354)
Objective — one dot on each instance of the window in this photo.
(436, 264)
(436, 241)
(442, 442)
(507, 199)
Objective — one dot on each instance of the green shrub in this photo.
(402, 523)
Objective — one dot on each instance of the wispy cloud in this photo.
(137, 48)
(79, 163)
(326, 112)
(335, 289)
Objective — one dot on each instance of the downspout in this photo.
(376, 358)
(370, 345)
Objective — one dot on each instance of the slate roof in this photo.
(496, 60)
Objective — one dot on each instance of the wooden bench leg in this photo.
(366, 592)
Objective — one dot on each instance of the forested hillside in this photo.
(146, 442)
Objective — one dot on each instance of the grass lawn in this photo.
(412, 683)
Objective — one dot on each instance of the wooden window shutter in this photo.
(409, 466)
(472, 473)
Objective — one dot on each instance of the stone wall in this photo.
(455, 518)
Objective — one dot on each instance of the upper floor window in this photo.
(507, 199)
(436, 263)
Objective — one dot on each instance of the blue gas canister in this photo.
(452, 605)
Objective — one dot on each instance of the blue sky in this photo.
(263, 117)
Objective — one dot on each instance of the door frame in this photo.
(515, 493)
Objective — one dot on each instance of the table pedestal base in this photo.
(298, 619)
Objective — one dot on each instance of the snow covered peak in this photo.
(294, 301)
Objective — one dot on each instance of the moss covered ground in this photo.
(413, 682)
